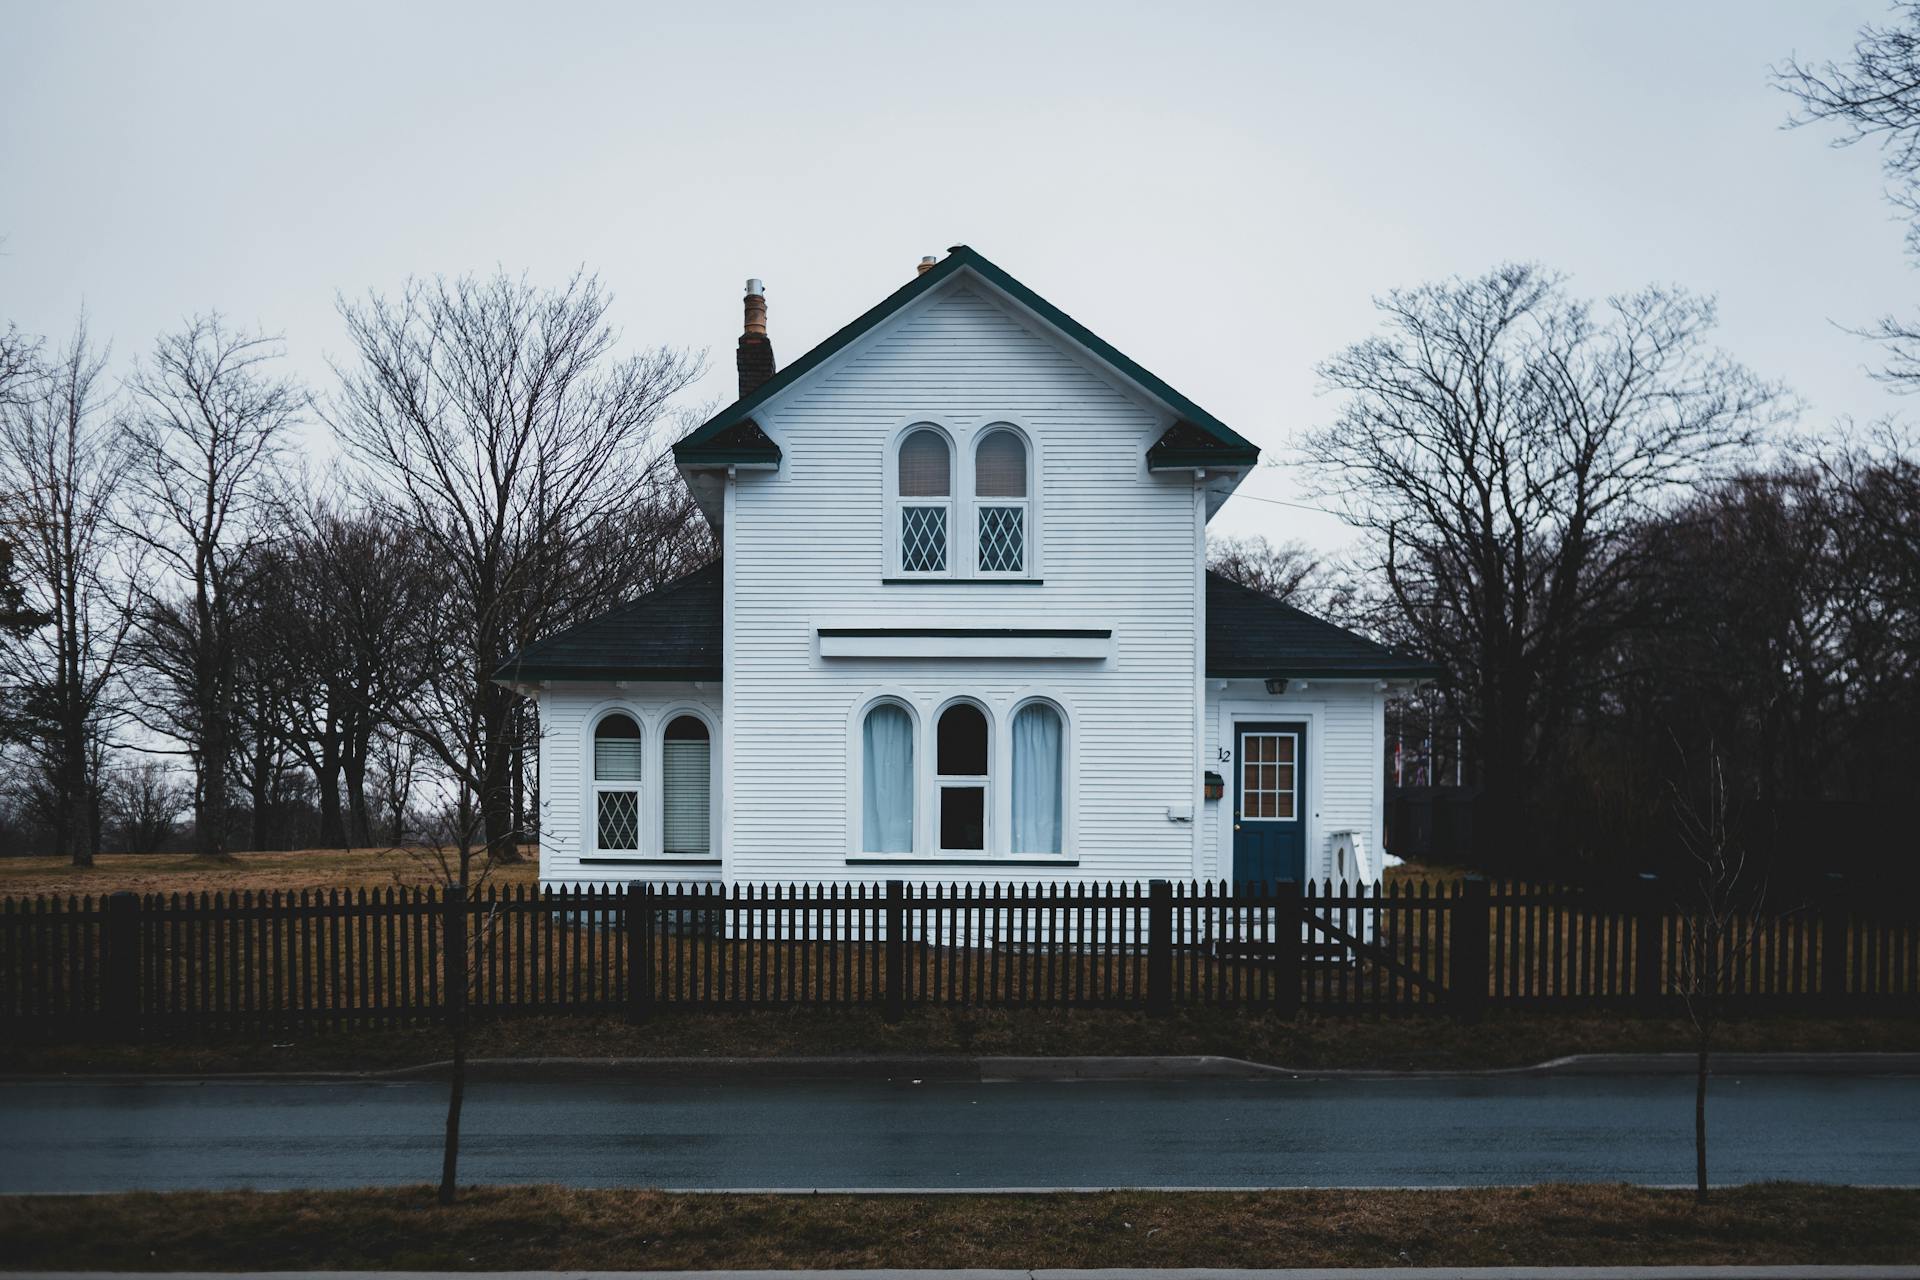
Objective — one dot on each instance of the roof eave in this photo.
(1290, 671)
(515, 674)
(1159, 459)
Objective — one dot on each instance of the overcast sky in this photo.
(1217, 189)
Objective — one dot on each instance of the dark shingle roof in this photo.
(674, 634)
(1250, 634)
(1210, 442)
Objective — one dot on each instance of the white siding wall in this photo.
(1346, 780)
(566, 809)
(806, 547)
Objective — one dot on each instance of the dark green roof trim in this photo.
(691, 451)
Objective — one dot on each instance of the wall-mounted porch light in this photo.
(1214, 786)
(1276, 684)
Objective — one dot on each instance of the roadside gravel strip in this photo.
(1050, 1069)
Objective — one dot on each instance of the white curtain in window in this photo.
(886, 788)
(1037, 781)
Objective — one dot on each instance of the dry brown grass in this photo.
(550, 1228)
(258, 872)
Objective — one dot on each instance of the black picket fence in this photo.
(238, 963)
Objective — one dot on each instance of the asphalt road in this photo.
(1440, 1131)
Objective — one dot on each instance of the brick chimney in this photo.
(754, 360)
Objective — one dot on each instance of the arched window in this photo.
(1002, 507)
(960, 777)
(686, 787)
(1038, 779)
(924, 501)
(886, 780)
(616, 782)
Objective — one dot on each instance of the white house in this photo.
(961, 629)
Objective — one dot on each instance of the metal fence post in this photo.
(455, 908)
(1160, 947)
(120, 990)
(1472, 919)
(1288, 941)
(1648, 932)
(896, 1005)
(639, 919)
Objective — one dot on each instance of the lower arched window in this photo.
(1038, 779)
(886, 780)
(960, 768)
(616, 782)
(686, 787)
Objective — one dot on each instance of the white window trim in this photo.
(1069, 845)
(1028, 505)
(924, 714)
(896, 504)
(937, 784)
(657, 816)
(595, 788)
(1296, 792)
(857, 775)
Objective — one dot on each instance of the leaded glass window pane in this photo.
(619, 819)
(923, 539)
(1003, 539)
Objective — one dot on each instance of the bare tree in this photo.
(496, 419)
(340, 593)
(143, 802)
(1875, 97)
(60, 444)
(209, 424)
(1721, 914)
(1498, 441)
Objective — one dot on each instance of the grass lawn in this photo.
(514, 1228)
(258, 872)
(1499, 1040)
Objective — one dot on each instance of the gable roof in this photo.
(1251, 635)
(674, 633)
(1201, 439)
(670, 633)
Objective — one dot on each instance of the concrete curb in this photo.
(957, 1070)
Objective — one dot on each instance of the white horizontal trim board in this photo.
(1092, 644)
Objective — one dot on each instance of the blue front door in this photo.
(1269, 802)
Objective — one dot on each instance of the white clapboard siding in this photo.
(806, 548)
(566, 760)
(1344, 746)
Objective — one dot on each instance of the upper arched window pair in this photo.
(996, 526)
(686, 785)
(962, 788)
